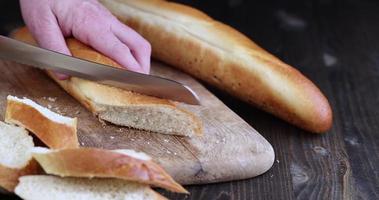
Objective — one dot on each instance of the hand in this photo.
(50, 21)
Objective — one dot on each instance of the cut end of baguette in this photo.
(15, 146)
(50, 187)
(55, 130)
(156, 118)
(133, 110)
(126, 108)
(15, 155)
(91, 162)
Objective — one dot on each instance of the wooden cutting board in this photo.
(229, 150)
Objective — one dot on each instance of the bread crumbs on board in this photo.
(52, 99)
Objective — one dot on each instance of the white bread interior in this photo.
(49, 187)
(134, 110)
(16, 146)
(15, 155)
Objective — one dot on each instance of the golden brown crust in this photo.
(110, 95)
(54, 135)
(221, 56)
(9, 176)
(91, 162)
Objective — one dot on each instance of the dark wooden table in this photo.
(336, 44)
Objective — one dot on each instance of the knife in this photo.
(13, 50)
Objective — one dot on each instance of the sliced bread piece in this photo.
(91, 162)
(133, 110)
(44, 187)
(15, 155)
(55, 130)
(123, 107)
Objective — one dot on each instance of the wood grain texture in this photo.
(230, 149)
(342, 164)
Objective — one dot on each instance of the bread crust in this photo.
(111, 95)
(54, 135)
(9, 176)
(218, 54)
(30, 188)
(92, 162)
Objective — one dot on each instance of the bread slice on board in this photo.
(122, 107)
(91, 162)
(44, 187)
(15, 155)
(218, 54)
(55, 130)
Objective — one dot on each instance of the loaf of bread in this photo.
(90, 162)
(44, 187)
(55, 130)
(218, 54)
(15, 156)
(122, 107)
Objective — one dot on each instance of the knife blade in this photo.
(14, 50)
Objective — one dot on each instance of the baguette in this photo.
(15, 155)
(218, 54)
(122, 107)
(90, 162)
(44, 187)
(55, 130)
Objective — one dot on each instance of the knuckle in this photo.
(119, 49)
(88, 14)
(148, 46)
(145, 46)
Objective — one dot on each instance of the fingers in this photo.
(140, 48)
(111, 46)
(44, 27)
(92, 24)
(95, 31)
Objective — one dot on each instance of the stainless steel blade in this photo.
(21, 52)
